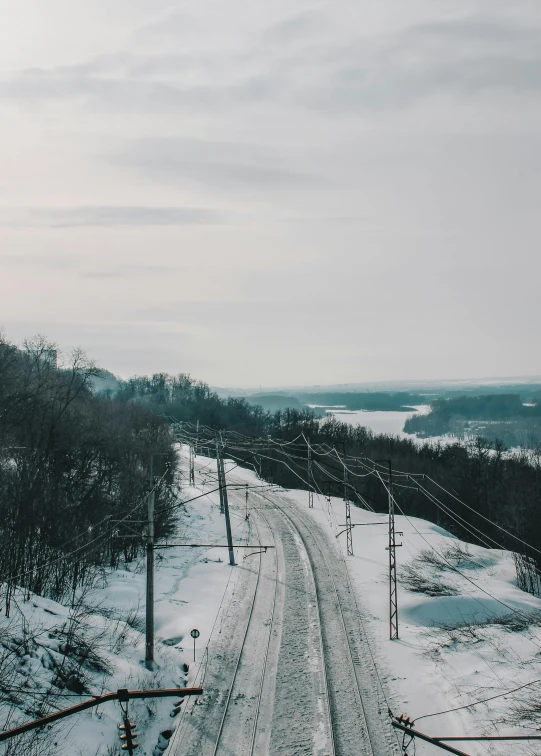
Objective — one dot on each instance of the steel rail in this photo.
(325, 676)
(237, 665)
(323, 654)
(339, 602)
(265, 660)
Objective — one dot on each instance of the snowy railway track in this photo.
(275, 699)
(240, 727)
(231, 685)
(358, 726)
(287, 672)
(301, 714)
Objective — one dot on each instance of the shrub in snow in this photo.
(423, 575)
(416, 580)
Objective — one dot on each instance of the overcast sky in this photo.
(274, 192)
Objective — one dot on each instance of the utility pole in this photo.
(310, 477)
(393, 595)
(349, 529)
(149, 635)
(268, 457)
(197, 438)
(220, 482)
(246, 496)
(223, 499)
(192, 466)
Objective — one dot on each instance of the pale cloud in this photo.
(333, 192)
(107, 216)
(215, 163)
(296, 64)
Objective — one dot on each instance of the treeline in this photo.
(73, 466)
(183, 399)
(501, 417)
(372, 401)
(504, 489)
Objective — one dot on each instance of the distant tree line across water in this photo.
(393, 401)
(372, 401)
(503, 417)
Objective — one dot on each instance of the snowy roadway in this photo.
(288, 672)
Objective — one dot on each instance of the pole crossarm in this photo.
(356, 525)
(120, 695)
(441, 741)
(487, 737)
(415, 733)
(214, 545)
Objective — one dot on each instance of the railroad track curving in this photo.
(236, 684)
(358, 722)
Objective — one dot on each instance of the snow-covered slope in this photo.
(467, 633)
(99, 646)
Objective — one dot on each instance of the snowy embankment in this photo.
(467, 633)
(53, 656)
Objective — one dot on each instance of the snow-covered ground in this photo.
(190, 585)
(475, 637)
(466, 634)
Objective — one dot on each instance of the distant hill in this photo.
(434, 388)
(369, 400)
(273, 402)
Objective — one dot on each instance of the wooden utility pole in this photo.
(149, 635)
(192, 466)
(220, 481)
(224, 501)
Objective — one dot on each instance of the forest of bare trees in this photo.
(73, 472)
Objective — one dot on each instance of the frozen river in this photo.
(379, 422)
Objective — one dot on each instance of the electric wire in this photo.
(476, 703)
(507, 532)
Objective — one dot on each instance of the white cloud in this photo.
(353, 176)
